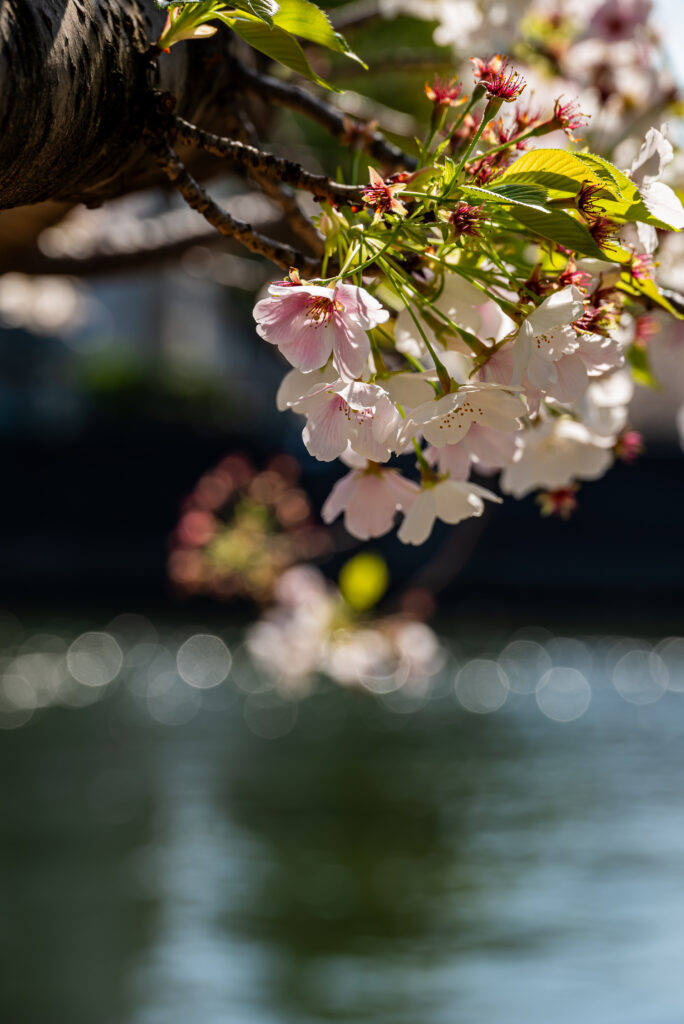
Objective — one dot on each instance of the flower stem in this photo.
(490, 112)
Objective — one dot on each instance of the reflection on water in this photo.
(194, 847)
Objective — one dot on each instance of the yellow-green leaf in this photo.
(647, 288)
(637, 357)
(553, 169)
(304, 19)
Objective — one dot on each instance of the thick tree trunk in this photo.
(74, 94)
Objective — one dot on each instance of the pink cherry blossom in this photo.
(370, 499)
(309, 323)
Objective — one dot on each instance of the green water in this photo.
(366, 866)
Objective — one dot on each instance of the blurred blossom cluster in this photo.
(607, 53)
(306, 640)
(240, 528)
(314, 629)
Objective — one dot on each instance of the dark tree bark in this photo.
(74, 86)
(85, 99)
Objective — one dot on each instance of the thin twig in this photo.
(297, 220)
(300, 224)
(287, 94)
(283, 255)
(274, 167)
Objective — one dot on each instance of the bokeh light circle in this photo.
(524, 662)
(94, 659)
(563, 694)
(204, 661)
(671, 650)
(640, 676)
(481, 686)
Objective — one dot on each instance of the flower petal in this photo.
(419, 520)
(327, 429)
(336, 502)
(350, 346)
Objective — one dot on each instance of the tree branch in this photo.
(295, 217)
(299, 223)
(284, 256)
(287, 94)
(266, 164)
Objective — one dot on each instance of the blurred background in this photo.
(202, 820)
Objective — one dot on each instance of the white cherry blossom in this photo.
(449, 500)
(446, 420)
(646, 172)
(554, 454)
(595, 355)
(545, 335)
(605, 405)
(296, 384)
(483, 447)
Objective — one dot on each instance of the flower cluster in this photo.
(478, 330)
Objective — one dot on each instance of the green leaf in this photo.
(363, 580)
(560, 227)
(448, 173)
(276, 43)
(621, 185)
(531, 195)
(303, 18)
(637, 357)
(486, 195)
(554, 169)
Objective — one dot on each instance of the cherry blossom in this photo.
(382, 197)
(553, 454)
(594, 356)
(604, 405)
(446, 420)
(356, 414)
(370, 499)
(308, 323)
(449, 500)
(646, 171)
(488, 449)
(545, 336)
